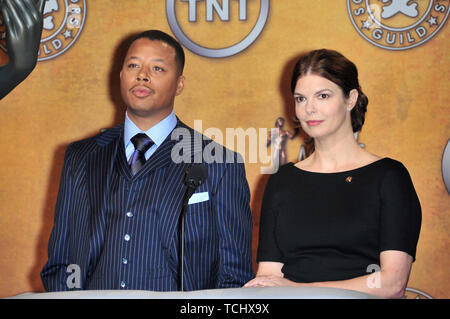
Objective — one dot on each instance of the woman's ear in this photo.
(352, 99)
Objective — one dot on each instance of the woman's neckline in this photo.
(340, 172)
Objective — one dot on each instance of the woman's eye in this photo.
(324, 96)
(299, 99)
(157, 68)
(132, 65)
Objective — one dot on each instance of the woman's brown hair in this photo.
(338, 69)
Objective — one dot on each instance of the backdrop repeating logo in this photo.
(446, 166)
(412, 293)
(63, 22)
(223, 12)
(397, 24)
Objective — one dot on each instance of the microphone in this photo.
(196, 175)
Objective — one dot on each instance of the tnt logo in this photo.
(63, 22)
(214, 28)
(223, 10)
(397, 24)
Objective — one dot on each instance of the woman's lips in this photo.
(313, 123)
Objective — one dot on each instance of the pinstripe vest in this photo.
(133, 256)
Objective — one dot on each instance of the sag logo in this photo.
(63, 22)
(397, 24)
(217, 29)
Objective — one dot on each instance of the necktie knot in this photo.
(142, 142)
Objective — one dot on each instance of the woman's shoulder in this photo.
(284, 174)
(394, 174)
(391, 165)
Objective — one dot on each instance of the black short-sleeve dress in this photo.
(333, 226)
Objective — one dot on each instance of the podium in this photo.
(230, 293)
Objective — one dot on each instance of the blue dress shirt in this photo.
(158, 133)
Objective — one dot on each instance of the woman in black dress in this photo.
(343, 217)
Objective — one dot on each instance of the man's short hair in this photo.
(157, 35)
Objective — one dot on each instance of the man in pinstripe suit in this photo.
(117, 228)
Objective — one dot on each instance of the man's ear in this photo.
(180, 85)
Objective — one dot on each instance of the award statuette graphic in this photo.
(278, 138)
(398, 24)
(21, 29)
(3, 55)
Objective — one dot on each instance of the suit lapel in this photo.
(99, 169)
(172, 197)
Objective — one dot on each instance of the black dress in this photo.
(333, 226)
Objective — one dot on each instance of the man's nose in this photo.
(143, 76)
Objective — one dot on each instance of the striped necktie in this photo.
(141, 144)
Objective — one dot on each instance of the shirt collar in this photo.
(158, 133)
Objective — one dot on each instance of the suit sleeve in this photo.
(234, 227)
(54, 275)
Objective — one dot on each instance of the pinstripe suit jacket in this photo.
(218, 231)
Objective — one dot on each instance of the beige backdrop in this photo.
(74, 95)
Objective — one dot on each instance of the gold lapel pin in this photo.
(349, 179)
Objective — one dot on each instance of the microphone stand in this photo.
(190, 190)
(195, 176)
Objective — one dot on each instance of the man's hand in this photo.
(23, 20)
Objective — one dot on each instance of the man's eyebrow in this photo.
(138, 58)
